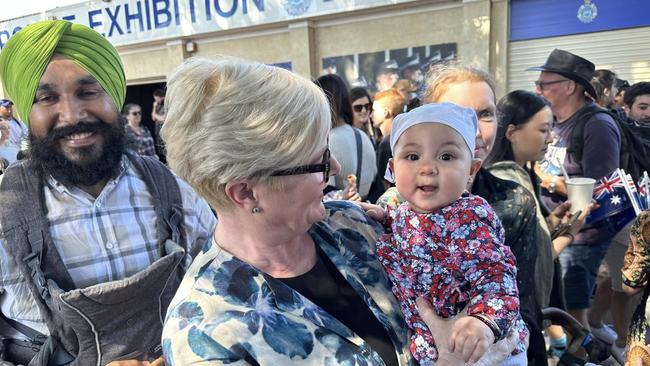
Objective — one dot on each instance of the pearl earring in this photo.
(256, 210)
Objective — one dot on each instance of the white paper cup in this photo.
(580, 192)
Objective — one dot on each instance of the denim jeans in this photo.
(580, 265)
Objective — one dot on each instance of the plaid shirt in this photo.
(141, 143)
(100, 239)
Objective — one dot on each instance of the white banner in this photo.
(134, 21)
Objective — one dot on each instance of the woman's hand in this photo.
(442, 328)
(562, 215)
(558, 215)
(470, 337)
(354, 197)
(580, 221)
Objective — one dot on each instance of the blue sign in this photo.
(530, 19)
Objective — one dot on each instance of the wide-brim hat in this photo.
(570, 66)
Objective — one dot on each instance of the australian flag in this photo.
(644, 188)
(633, 192)
(616, 205)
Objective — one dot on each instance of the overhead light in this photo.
(190, 46)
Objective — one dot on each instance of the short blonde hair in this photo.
(440, 76)
(391, 100)
(230, 119)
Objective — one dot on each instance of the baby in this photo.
(447, 245)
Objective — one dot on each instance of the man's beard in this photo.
(46, 153)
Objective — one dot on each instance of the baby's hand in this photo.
(375, 212)
(470, 338)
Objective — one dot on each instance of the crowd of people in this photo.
(270, 219)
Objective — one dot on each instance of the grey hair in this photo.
(440, 76)
(230, 119)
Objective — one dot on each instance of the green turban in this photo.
(27, 54)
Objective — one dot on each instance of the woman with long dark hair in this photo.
(523, 135)
(361, 103)
(351, 147)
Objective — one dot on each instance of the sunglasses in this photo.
(359, 107)
(307, 169)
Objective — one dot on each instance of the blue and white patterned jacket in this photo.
(228, 312)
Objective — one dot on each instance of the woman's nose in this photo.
(335, 167)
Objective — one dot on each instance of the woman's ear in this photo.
(607, 92)
(511, 133)
(242, 194)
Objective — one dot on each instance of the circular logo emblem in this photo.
(296, 7)
(587, 12)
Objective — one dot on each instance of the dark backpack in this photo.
(635, 140)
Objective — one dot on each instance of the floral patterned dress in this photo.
(636, 271)
(454, 257)
(229, 312)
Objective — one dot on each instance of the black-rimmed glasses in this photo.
(543, 84)
(307, 169)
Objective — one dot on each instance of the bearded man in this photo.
(93, 240)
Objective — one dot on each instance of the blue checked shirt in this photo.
(100, 239)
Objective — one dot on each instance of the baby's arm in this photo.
(491, 272)
(489, 267)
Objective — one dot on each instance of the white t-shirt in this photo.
(343, 146)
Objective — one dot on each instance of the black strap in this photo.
(357, 136)
(21, 350)
(33, 261)
(164, 188)
(22, 328)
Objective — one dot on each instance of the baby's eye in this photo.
(446, 157)
(412, 157)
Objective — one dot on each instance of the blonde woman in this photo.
(286, 279)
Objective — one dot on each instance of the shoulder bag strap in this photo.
(168, 201)
(357, 137)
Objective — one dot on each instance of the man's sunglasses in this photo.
(307, 169)
(359, 107)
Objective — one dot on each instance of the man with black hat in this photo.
(565, 82)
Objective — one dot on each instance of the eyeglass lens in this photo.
(359, 107)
